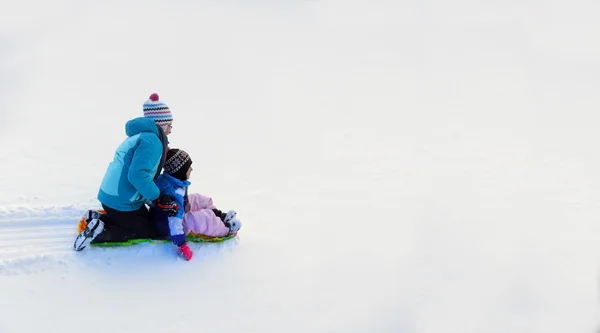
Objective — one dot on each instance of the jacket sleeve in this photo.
(176, 231)
(145, 159)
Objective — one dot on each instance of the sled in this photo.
(191, 237)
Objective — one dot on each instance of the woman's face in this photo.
(168, 128)
(189, 172)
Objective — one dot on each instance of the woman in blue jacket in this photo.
(129, 181)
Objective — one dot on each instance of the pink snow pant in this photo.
(200, 219)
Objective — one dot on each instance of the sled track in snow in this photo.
(31, 238)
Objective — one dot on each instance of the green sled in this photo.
(194, 239)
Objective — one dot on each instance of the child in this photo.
(194, 213)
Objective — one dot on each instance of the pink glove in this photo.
(186, 252)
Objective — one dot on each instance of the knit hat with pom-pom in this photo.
(157, 111)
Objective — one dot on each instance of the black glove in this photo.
(167, 204)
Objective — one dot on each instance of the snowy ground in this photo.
(399, 166)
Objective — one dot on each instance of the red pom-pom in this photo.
(154, 97)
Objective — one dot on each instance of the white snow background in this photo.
(398, 166)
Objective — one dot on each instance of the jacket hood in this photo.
(139, 125)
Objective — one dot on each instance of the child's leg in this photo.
(204, 222)
(199, 201)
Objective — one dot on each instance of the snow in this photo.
(398, 166)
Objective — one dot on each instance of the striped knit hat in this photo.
(158, 111)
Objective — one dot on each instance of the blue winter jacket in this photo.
(172, 226)
(129, 179)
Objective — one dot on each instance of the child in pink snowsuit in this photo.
(178, 214)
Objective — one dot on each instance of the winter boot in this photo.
(92, 214)
(229, 216)
(234, 225)
(93, 229)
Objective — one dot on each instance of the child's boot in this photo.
(229, 216)
(234, 225)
